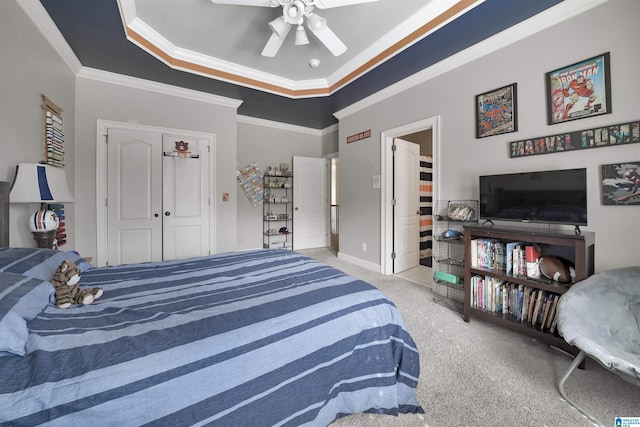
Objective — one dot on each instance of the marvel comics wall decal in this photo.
(604, 136)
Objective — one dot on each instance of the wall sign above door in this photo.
(358, 136)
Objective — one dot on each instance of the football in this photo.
(555, 269)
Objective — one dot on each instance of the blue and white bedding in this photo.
(251, 338)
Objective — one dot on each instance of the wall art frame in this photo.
(579, 90)
(602, 136)
(497, 111)
(621, 183)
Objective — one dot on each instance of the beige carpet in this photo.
(479, 374)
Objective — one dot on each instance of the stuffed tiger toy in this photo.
(65, 281)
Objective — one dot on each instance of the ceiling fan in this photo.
(299, 12)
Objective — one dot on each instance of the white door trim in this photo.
(386, 217)
(101, 180)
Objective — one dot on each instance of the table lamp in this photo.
(40, 183)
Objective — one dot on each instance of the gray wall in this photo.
(36, 68)
(268, 145)
(609, 27)
(107, 101)
(330, 143)
(30, 68)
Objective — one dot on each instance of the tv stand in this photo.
(487, 221)
(576, 230)
(577, 248)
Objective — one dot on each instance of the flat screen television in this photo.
(553, 197)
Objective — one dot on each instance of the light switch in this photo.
(375, 182)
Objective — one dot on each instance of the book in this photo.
(552, 312)
(552, 329)
(473, 244)
(505, 298)
(527, 303)
(540, 297)
(510, 246)
(547, 308)
(500, 257)
(474, 290)
(497, 286)
(519, 303)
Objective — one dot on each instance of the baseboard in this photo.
(359, 262)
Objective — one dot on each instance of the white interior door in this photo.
(406, 190)
(185, 189)
(310, 205)
(134, 196)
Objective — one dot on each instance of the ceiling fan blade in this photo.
(330, 40)
(273, 44)
(262, 3)
(326, 4)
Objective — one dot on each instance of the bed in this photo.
(247, 338)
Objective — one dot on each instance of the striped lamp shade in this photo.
(36, 183)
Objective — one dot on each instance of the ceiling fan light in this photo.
(279, 27)
(301, 36)
(316, 22)
(293, 12)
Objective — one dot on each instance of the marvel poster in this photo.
(621, 184)
(496, 111)
(578, 91)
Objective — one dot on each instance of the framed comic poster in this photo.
(621, 183)
(579, 90)
(496, 111)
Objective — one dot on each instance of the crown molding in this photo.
(548, 18)
(149, 40)
(148, 85)
(423, 22)
(278, 125)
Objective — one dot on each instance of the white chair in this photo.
(601, 316)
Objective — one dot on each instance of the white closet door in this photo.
(134, 196)
(185, 200)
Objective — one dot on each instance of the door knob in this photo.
(156, 215)
(167, 213)
(296, 208)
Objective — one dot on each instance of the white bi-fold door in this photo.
(185, 199)
(157, 196)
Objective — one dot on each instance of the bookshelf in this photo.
(577, 248)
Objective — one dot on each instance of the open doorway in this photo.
(334, 200)
(335, 203)
(387, 178)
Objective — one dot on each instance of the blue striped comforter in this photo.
(251, 338)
